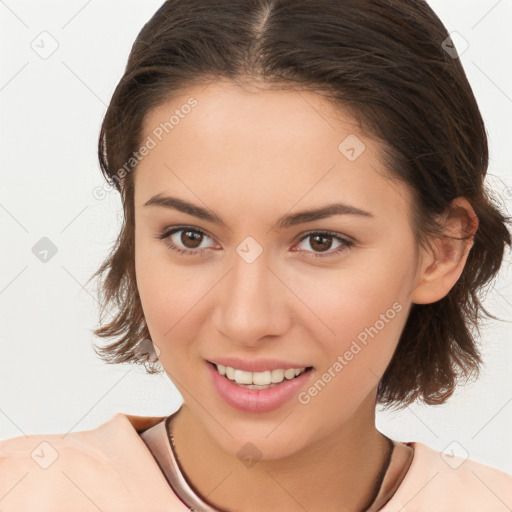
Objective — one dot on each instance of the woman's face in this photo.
(255, 287)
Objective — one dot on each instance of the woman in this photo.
(306, 232)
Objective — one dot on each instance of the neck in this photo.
(338, 472)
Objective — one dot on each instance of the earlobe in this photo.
(441, 268)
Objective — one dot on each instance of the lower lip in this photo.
(256, 400)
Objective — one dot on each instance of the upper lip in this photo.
(259, 365)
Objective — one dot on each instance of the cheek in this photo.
(360, 316)
(171, 298)
(347, 303)
(367, 323)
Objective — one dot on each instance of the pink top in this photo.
(110, 469)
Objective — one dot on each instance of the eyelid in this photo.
(334, 234)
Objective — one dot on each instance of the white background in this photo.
(51, 381)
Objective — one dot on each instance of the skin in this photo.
(252, 156)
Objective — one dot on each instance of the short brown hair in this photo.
(383, 60)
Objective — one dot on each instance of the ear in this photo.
(440, 268)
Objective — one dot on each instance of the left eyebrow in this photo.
(320, 213)
(286, 221)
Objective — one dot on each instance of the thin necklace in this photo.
(376, 487)
(380, 478)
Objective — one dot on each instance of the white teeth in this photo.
(261, 378)
(289, 374)
(265, 379)
(243, 377)
(277, 376)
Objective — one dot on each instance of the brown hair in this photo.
(387, 62)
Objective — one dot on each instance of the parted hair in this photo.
(392, 65)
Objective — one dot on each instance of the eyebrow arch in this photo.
(282, 223)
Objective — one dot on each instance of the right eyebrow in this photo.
(181, 205)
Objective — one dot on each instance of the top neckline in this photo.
(163, 451)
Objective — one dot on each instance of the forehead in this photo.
(261, 147)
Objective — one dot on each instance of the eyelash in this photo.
(164, 238)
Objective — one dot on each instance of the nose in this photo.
(252, 303)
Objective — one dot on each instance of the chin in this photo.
(249, 440)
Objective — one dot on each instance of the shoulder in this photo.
(444, 482)
(44, 472)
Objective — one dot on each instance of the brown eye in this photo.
(321, 242)
(191, 239)
(185, 240)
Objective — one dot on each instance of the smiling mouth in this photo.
(259, 380)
